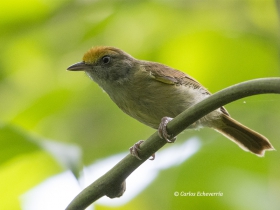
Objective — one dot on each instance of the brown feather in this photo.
(169, 75)
(244, 137)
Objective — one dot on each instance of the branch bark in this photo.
(112, 184)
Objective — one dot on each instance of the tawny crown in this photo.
(95, 53)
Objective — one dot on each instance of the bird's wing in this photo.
(171, 76)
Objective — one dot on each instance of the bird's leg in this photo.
(134, 150)
(162, 132)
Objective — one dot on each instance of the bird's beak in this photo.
(81, 66)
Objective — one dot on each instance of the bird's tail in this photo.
(244, 137)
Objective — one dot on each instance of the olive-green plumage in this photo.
(149, 91)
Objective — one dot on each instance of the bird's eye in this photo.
(106, 59)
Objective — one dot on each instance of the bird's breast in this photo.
(150, 102)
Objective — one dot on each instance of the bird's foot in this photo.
(162, 132)
(134, 150)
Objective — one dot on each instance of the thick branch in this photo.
(112, 184)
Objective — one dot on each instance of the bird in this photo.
(154, 93)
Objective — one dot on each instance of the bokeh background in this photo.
(52, 120)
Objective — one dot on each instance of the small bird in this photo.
(154, 93)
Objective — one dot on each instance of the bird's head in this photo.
(106, 65)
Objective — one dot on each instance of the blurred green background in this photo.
(218, 42)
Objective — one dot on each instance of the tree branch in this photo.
(112, 184)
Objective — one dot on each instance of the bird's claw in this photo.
(134, 150)
(162, 132)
